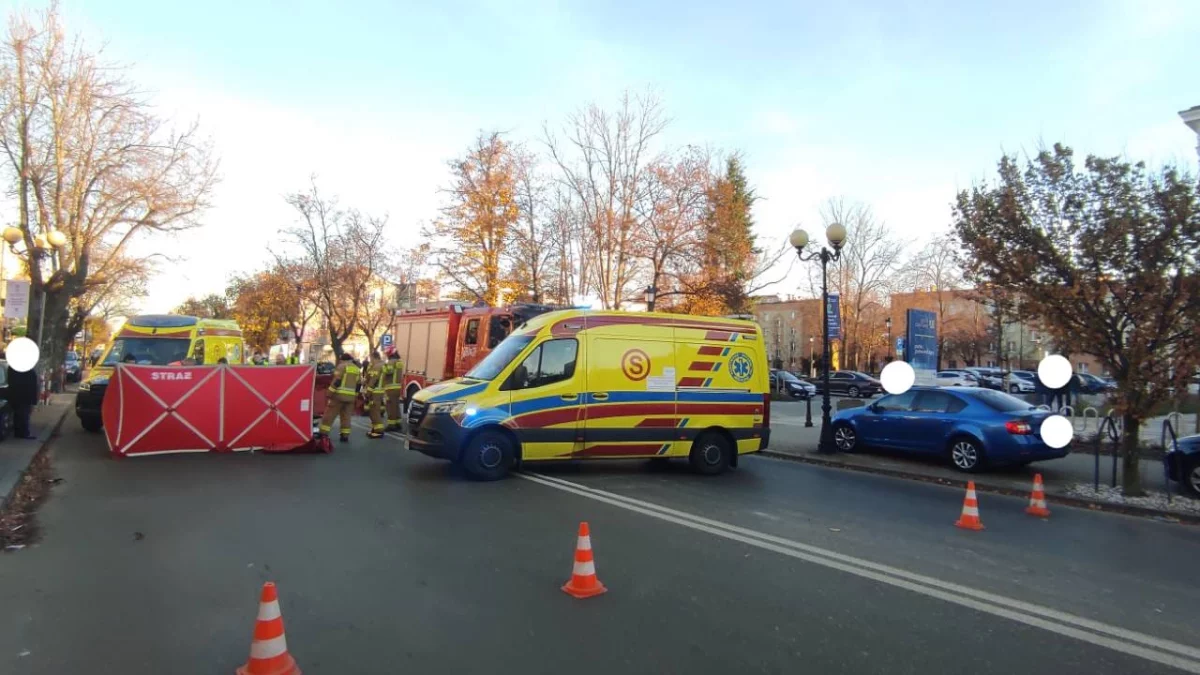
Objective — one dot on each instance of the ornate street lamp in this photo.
(836, 235)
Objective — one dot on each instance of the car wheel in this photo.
(844, 438)
(488, 456)
(852, 392)
(711, 454)
(92, 424)
(6, 425)
(1014, 389)
(966, 454)
(1191, 479)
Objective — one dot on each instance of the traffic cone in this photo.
(1037, 500)
(969, 520)
(583, 583)
(268, 651)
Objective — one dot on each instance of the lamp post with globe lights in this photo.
(836, 235)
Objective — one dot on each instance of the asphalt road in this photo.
(388, 562)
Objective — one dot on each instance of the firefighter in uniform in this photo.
(342, 392)
(293, 360)
(373, 386)
(394, 388)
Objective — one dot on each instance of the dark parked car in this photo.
(1090, 384)
(991, 378)
(971, 427)
(781, 380)
(6, 411)
(72, 367)
(1183, 464)
(851, 383)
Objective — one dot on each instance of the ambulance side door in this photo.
(546, 390)
(630, 397)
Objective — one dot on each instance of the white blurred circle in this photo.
(1057, 431)
(898, 377)
(22, 354)
(1054, 371)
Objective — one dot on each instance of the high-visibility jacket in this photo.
(393, 376)
(345, 380)
(293, 360)
(374, 379)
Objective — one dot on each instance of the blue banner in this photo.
(920, 340)
(833, 320)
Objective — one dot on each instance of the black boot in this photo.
(345, 438)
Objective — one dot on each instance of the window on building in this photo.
(1082, 367)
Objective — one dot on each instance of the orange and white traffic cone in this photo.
(969, 520)
(1037, 500)
(583, 583)
(268, 651)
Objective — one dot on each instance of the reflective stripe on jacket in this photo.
(393, 376)
(345, 380)
(374, 379)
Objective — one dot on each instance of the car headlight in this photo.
(447, 407)
(85, 386)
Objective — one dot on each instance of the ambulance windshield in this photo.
(501, 356)
(147, 351)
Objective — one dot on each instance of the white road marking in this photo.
(1118, 639)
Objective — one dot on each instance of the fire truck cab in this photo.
(441, 341)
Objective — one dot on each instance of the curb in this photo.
(42, 443)
(1066, 500)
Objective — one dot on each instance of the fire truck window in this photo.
(498, 329)
(472, 332)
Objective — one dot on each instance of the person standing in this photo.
(22, 395)
(340, 402)
(394, 389)
(375, 391)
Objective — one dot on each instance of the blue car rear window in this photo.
(1000, 401)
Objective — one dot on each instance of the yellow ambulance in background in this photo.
(160, 340)
(579, 384)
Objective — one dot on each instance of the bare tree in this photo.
(345, 252)
(604, 164)
(90, 163)
(935, 271)
(865, 273)
(673, 210)
(531, 249)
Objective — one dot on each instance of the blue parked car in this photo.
(1183, 463)
(972, 427)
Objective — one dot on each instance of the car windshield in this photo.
(501, 356)
(1002, 402)
(1023, 374)
(787, 377)
(147, 351)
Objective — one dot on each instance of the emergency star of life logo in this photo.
(635, 363)
(741, 367)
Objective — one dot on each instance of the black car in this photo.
(1183, 463)
(783, 381)
(851, 383)
(1090, 384)
(6, 410)
(989, 378)
(72, 368)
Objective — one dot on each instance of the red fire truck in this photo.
(440, 341)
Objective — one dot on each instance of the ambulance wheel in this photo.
(488, 456)
(92, 424)
(712, 453)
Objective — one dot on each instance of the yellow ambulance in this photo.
(578, 384)
(160, 340)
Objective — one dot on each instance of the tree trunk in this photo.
(1131, 479)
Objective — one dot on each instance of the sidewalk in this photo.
(15, 454)
(1067, 480)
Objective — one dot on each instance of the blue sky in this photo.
(896, 104)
